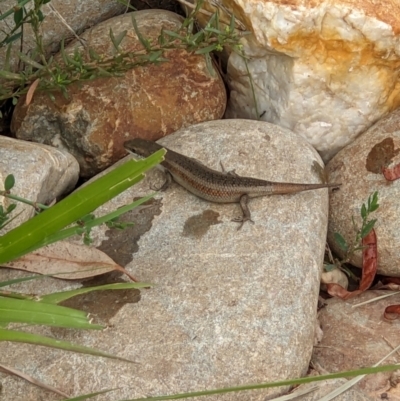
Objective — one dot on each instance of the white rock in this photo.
(359, 168)
(335, 276)
(326, 70)
(42, 174)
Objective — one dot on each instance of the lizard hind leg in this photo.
(243, 202)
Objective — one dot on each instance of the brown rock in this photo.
(149, 101)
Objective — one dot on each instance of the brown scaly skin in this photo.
(216, 186)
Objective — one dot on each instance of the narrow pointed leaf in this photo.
(341, 242)
(145, 43)
(29, 61)
(206, 50)
(22, 337)
(62, 296)
(80, 203)
(32, 312)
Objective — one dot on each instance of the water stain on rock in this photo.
(381, 155)
(102, 305)
(121, 244)
(197, 226)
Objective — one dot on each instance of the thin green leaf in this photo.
(328, 267)
(290, 382)
(341, 242)
(198, 37)
(5, 224)
(16, 242)
(68, 232)
(154, 56)
(40, 15)
(373, 203)
(213, 30)
(161, 38)
(232, 24)
(7, 13)
(22, 337)
(13, 38)
(145, 43)
(103, 72)
(116, 41)
(93, 55)
(91, 395)
(11, 75)
(29, 61)
(199, 5)
(208, 49)
(363, 211)
(62, 51)
(62, 296)
(366, 229)
(373, 207)
(18, 15)
(31, 312)
(21, 3)
(210, 66)
(173, 34)
(7, 58)
(9, 182)
(212, 23)
(20, 280)
(11, 207)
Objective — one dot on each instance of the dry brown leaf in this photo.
(370, 265)
(392, 312)
(67, 261)
(391, 174)
(12, 371)
(31, 91)
(391, 280)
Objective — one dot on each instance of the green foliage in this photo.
(290, 382)
(49, 226)
(87, 64)
(360, 232)
(25, 309)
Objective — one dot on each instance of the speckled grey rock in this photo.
(42, 174)
(357, 337)
(359, 168)
(228, 307)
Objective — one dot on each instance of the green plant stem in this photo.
(35, 205)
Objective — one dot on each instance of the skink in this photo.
(213, 185)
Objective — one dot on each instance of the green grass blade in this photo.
(32, 312)
(18, 241)
(290, 382)
(87, 396)
(68, 232)
(10, 75)
(20, 336)
(62, 296)
(19, 280)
